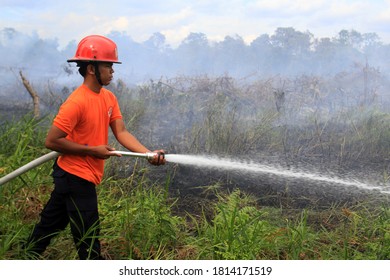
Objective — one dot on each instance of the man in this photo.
(80, 133)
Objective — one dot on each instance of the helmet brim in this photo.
(91, 60)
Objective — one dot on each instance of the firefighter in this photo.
(80, 133)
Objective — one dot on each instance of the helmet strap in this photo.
(97, 73)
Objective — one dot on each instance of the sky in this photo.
(73, 19)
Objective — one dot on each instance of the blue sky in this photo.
(71, 19)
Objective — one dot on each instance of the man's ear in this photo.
(91, 69)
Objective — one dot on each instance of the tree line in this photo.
(286, 52)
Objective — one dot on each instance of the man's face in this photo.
(106, 72)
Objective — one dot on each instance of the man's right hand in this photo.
(158, 158)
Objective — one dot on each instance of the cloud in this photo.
(71, 20)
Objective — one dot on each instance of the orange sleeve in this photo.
(68, 116)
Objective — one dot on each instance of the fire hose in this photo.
(53, 155)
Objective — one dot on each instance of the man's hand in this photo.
(158, 158)
(103, 152)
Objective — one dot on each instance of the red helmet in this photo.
(96, 48)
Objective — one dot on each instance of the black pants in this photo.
(73, 201)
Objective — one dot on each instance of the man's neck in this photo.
(95, 87)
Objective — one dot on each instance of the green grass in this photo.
(138, 223)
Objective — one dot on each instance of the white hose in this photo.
(132, 154)
(53, 155)
(28, 166)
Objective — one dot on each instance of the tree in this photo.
(231, 56)
(260, 54)
(293, 43)
(157, 56)
(292, 49)
(193, 54)
(33, 95)
(156, 42)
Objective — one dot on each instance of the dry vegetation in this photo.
(307, 122)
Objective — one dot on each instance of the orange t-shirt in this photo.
(85, 116)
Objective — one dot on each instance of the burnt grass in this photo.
(297, 128)
(195, 188)
(306, 124)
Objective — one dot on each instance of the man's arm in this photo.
(127, 140)
(56, 141)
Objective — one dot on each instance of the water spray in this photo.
(256, 168)
(219, 164)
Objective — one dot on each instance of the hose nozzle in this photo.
(150, 155)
